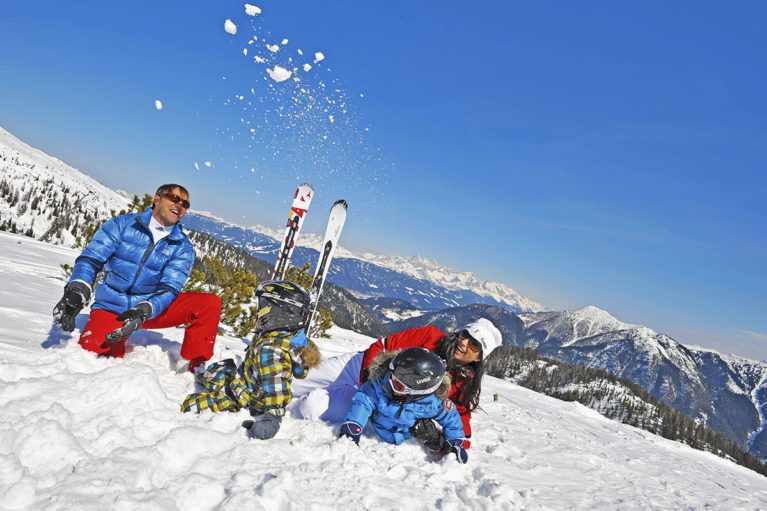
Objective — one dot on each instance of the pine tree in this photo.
(234, 286)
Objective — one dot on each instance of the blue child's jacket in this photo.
(392, 420)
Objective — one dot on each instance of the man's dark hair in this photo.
(169, 188)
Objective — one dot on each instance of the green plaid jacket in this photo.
(261, 383)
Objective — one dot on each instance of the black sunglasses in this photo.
(472, 341)
(175, 199)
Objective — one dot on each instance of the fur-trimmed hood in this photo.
(311, 355)
(380, 366)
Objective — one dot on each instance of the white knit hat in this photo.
(485, 333)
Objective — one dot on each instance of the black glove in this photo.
(76, 295)
(429, 434)
(352, 430)
(263, 426)
(132, 320)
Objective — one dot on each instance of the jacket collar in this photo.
(144, 217)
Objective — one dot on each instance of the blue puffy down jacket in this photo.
(135, 269)
(392, 420)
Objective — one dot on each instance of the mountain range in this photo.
(422, 282)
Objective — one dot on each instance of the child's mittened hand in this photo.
(456, 445)
(352, 430)
(263, 426)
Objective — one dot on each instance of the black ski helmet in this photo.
(281, 305)
(416, 371)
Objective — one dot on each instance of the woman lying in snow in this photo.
(279, 352)
(326, 394)
(405, 387)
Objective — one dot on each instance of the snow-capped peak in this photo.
(599, 319)
(431, 270)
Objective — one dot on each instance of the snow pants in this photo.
(201, 310)
(326, 393)
(217, 395)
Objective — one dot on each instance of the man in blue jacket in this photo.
(146, 259)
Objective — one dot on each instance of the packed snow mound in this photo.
(81, 432)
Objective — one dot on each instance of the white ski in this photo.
(336, 222)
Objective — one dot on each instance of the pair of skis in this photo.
(301, 201)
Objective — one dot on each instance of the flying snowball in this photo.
(158, 104)
(252, 10)
(307, 67)
(279, 74)
(319, 57)
(273, 48)
(230, 27)
(258, 59)
(284, 42)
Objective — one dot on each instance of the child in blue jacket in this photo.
(404, 387)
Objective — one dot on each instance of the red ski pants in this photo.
(201, 310)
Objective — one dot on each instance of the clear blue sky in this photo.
(590, 153)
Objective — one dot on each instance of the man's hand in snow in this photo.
(76, 295)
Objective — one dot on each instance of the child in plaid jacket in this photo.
(261, 383)
(279, 352)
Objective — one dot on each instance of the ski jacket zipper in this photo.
(147, 252)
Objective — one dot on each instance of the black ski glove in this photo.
(132, 320)
(429, 434)
(76, 296)
(263, 426)
(351, 430)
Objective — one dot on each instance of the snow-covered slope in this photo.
(43, 196)
(728, 392)
(80, 432)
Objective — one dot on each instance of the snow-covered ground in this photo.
(80, 432)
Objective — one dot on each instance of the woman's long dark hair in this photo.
(468, 394)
